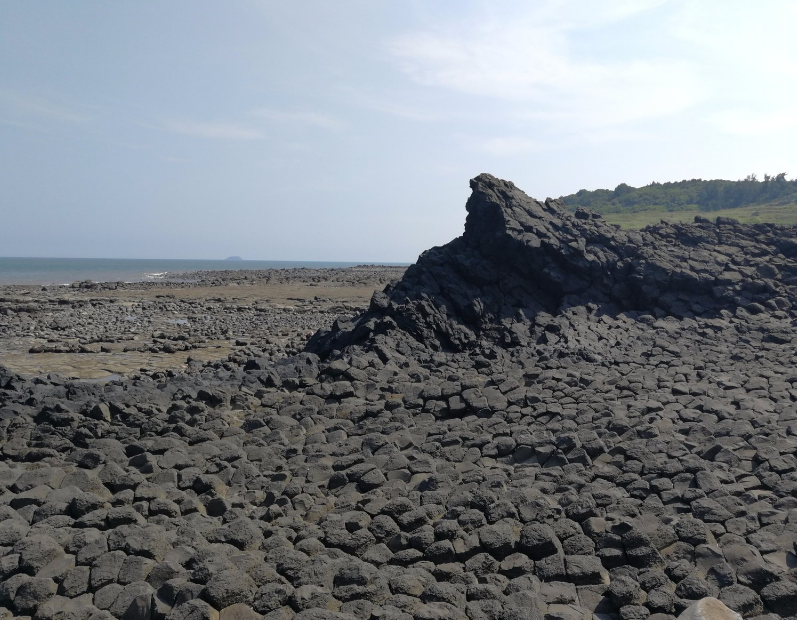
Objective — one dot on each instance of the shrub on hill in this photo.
(687, 195)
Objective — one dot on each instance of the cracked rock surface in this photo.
(547, 418)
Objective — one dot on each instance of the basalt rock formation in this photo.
(520, 258)
(546, 419)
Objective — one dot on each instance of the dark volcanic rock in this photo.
(546, 418)
(521, 258)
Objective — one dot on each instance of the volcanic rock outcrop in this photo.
(548, 418)
(520, 258)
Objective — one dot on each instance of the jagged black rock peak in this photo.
(520, 257)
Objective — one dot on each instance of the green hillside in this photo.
(773, 199)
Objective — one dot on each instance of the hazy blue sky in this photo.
(348, 130)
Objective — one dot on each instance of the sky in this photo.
(348, 130)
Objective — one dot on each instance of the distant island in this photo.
(233, 258)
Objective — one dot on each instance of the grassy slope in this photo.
(753, 214)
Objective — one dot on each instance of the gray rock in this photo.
(742, 600)
(134, 602)
(228, 587)
(780, 596)
(585, 570)
(75, 582)
(33, 593)
(710, 511)
(105, 569)
(36, 551)
(12, 531)
(498, 539)
(193, 610)
(538, 541)
(135, 568)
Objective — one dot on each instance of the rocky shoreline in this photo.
(92, 330)
(547, 418)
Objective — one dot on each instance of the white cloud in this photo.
(395, 104)
(585, 14)
(223, 131)
(512, 145)
(21, 124)
(740, 37)
(749, 54)
(306, 118)
(22, 104)
(755, 123)
(529, 61)
(254, 130)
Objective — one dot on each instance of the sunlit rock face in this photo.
(520, 258)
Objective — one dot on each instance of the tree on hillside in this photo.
(708, 195)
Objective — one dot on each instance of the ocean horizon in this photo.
(65, 271)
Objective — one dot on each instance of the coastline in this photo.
(66, 271)
(97, 330)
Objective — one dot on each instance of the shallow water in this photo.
(68, 270)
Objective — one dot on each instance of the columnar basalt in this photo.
(520, 258)
(546, 418)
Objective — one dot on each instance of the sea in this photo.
(63, 271)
